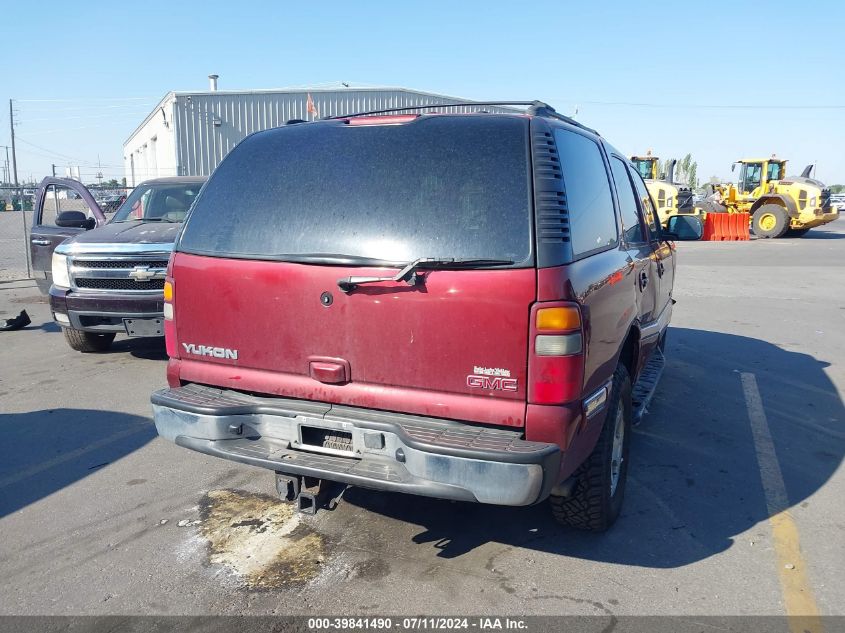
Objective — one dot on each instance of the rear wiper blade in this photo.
(410, 275)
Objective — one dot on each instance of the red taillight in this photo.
(555, 379)
(556, 354)
(169, 323)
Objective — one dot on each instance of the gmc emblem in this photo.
(496, 383)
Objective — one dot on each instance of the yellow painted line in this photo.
(801, 607)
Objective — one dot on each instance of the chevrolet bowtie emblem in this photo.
(142, 273)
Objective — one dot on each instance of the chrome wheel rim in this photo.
(616, 457)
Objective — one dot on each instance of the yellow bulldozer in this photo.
(670, 198)
(778, 205)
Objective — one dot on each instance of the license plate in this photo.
(331, 441)
(144, 327)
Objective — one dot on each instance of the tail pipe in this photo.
(670, 171)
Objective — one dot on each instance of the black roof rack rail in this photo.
(538, 108)
(535, 108)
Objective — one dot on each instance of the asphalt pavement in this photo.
(99, 516)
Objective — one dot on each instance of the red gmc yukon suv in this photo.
(464, 306)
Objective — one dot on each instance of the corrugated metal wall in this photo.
(209, 125)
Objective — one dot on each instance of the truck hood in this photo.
(134, 232)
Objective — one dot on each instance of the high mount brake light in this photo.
(395, 119)
(556, 354)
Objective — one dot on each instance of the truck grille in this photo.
(825, 199)
(120, 284)
(121, 263)
(685, 201)
(129, 273)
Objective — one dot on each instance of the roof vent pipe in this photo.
(212, 82)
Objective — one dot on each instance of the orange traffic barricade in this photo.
(726, 227)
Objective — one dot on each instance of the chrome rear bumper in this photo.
(385, 451)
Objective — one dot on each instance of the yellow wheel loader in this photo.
(778, 205)
(670, 198)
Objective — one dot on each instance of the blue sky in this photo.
(85, 74)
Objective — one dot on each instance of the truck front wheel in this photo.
(83, 341)
(595, 498)
(770, 220)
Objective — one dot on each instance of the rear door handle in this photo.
(660, 268)
(643, 280)
(41, 242)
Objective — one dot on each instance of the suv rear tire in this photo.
(83, 341)
(770, 220)
(599, 488)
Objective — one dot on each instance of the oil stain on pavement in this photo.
(260, 539)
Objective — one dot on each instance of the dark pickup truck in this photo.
(105, 276)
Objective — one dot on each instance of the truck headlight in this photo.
(813, 201)
(61, 275)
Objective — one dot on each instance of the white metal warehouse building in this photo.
(189, 133)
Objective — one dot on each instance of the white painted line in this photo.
(773, 486)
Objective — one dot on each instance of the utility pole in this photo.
(15, 177)
(6, 168)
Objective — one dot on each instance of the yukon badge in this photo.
(491, 378)
(214, 352)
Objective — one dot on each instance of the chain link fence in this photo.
(14, 233)
(16, 220)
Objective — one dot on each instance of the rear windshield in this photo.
(434, 187)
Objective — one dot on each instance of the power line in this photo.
(85, 99)
(65, 160)
(82, 116)
(78, 127)
(703, 106)
(88, 107)
(64, 156)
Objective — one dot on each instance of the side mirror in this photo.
(75, 220)
(684, 228)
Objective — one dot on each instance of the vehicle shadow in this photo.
(816, 234)
(694, 484)
(148, 348)
(45, 451)
(46, 326)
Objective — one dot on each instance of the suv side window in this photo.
(591, 215)
(648, 208)
(631, 225)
